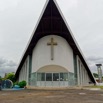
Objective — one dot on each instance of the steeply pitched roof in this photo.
(52, 21)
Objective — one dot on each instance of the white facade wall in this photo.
(83, 77)
(24, 72)
(63, 54)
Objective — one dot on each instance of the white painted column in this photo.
(86, 78)
(78, 72)
(80, 75)
(22, 74)
(83, 75)
(27, 71)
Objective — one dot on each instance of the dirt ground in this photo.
(51, 96)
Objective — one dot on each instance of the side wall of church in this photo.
(83, 77)
(23, 75)
(63, 54)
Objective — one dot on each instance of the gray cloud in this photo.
(95, 59)
(93, 68)
(2, 61)
(7, 66)
(18, 19)
(92, 61)
(85, 19)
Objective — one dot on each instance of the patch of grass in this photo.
(101, 87)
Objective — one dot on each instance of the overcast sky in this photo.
(19, 17)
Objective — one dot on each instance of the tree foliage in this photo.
(95, 75)
(10, 76)
(0, 78)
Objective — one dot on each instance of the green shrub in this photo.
(22, 84)
(16, 83)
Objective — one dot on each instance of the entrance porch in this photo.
(52, 76)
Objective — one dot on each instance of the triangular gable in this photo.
(53, 22)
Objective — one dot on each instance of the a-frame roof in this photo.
(52, 21)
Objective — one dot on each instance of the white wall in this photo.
(24, 72)
(83, 77)
(63, 54)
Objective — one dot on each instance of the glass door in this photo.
(55, 79)
(48, 76)
(48, 79)
(55, 76)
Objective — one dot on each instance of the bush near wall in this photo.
(22, 84)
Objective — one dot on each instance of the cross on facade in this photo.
(52, 44)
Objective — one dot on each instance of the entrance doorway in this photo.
(52, 79)
(52, 76)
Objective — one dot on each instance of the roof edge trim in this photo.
(45, 5)
(75, 41)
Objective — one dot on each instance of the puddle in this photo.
(94, 101)
(94, 89)
(101, 94)
(4, 94)
(54, 96)
(82, 93)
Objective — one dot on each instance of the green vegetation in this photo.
(10, 76)
(22, 84)
(98, 87)
(95, 75)
(0, 78)
(101, 87)
(16, 83)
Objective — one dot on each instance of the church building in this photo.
(52, 57)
